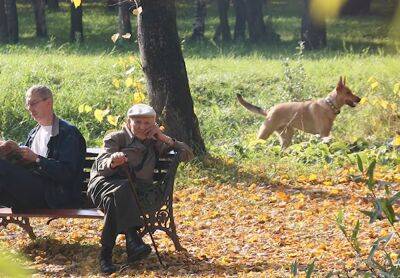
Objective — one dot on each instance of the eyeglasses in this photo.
(34, 103)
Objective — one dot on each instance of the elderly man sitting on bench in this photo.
(46, 172)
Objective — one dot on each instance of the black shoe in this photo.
(138, 253)
(106, 265)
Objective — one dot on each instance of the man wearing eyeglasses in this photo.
(50, 169)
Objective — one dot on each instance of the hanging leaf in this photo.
(81, 108)
(396, 141)
(113, 120)
(76, 3)
(138, 97)
(137, 11)
(374, 85)
(396, 88)
(115, 37)
(126, 36)
(88, 108)
(116, 83)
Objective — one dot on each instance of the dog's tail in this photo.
(251, 107)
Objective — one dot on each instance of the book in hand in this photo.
(9, 150)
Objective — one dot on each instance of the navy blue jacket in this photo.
(63, 166)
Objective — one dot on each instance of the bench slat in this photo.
(60, 213)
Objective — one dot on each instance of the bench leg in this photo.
(171, 232)
(23, 222)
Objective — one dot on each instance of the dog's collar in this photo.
(335, 109)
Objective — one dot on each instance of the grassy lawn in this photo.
(93, 74)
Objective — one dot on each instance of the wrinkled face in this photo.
(39, 108)
(345, 95)
(141, 125)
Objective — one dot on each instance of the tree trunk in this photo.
(76, 34)
(258, 29)
(124, 19)
(3, 24)
(240, 24)
(200, 18)
(53, 5)
(313, 33)
(40, 18)
(223, 31)
(165, 71)
(356, 7)
(10, 8)
(111, 4)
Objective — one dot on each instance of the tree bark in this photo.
(76, 34)
(10, 8)
(53, 5)
(313, 33)
(3, 24)
(258, 29)
(356, 7)
(40, 18)
(124, 19)
(200, 18)
(165, 71)
(223, 32)
(240, 24)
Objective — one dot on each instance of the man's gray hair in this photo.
(43, 91)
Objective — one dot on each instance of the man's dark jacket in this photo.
(63, 166)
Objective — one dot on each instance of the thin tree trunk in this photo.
(223, 31)
(124, 19)
(10, 8)
(165, 71)
(240, 24)
(3, 24)
(40, 18)
(53, 5)
(76, 34)
(200, 18)
(258, 29)
(313, 33)
(356, 7)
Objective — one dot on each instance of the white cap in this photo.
(141, 110)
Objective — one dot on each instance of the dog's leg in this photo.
(285, 137)
(266, 129)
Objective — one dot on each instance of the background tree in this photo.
(356, 7)
(124, 18)
(258, 29)
(240, 23)
(76, 33)
(10, 8)
(3, 24)
(53, 5)
(165, 71)
(40, 18)
(223, 32)
(199, 22)
(313, 30)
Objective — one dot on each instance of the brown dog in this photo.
(313, 116)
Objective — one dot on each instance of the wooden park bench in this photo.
(158, 218)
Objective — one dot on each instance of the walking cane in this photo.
(128, 174)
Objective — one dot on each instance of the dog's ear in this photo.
(339, 85)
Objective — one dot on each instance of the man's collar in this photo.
(331, 104)
(55, 129)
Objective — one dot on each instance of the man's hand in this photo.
(27, 154)
(154, 132)
(117, 159)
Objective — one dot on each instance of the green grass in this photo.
(358, 47)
